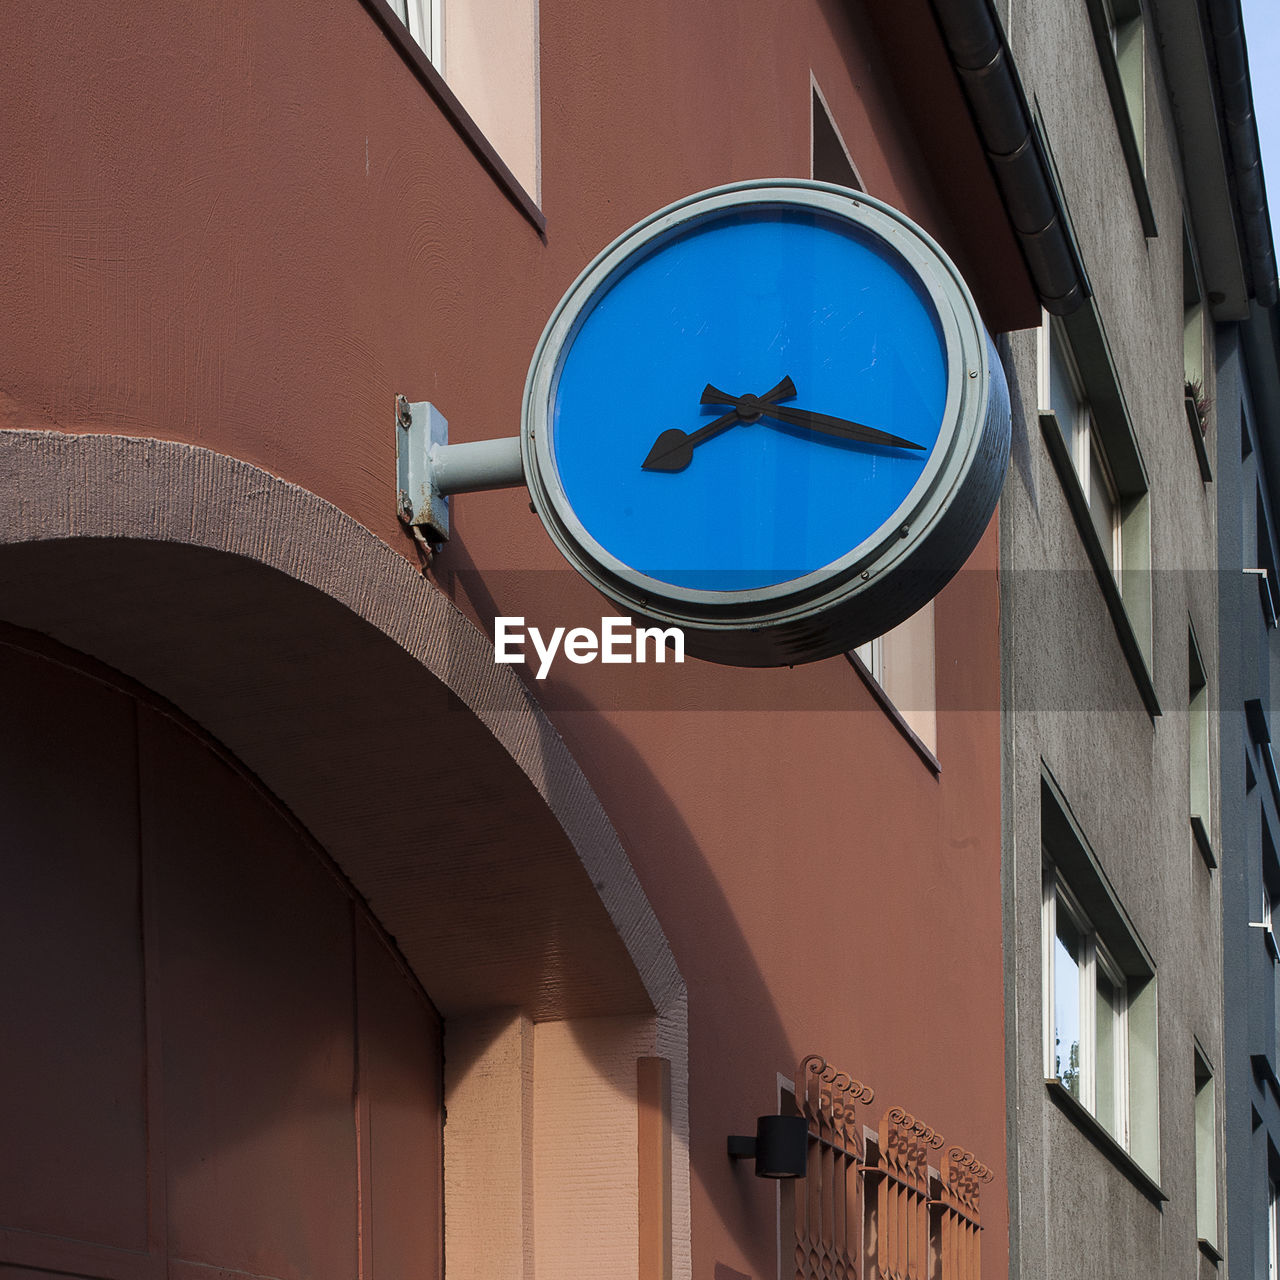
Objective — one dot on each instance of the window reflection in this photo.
(1066, 969)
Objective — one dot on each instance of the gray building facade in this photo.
(1116, 855)
(1248, 480)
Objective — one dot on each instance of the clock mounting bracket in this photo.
(429, 469)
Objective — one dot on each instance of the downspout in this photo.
(1242, 141)
(976, 45)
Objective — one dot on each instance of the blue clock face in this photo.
(739, 303)
(768, 414)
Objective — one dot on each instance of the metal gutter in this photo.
(976, 45)
(1232, 59)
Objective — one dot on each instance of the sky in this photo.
(1262, 35)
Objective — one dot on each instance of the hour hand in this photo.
(673, 449)
(749, 407)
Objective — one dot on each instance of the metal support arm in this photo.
(471, 468)
(429, 468)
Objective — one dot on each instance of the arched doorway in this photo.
(214, 1057)
(373, 709)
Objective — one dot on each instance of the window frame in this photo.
(1197, 357)
(1195, 329)
(1199, 751)
(877, 659)
(1083, 440)
(1206, 1152)
(1100, 419)
(1273, 1230)
(1057, 899)
(1120, 34)
(423, 18)
(871, 654)
(431, 79)
(1084, 443)
(829, 157)
(1069, 861)
(1269, 871)
(1267, 923)
(877, 662)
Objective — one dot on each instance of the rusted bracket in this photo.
(429, 468)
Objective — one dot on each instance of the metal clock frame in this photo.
(890, 574)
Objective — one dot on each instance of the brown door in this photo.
(209, 1057)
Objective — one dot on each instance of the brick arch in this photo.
(373, 710)
(360, 695)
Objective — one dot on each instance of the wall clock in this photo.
(768, 414)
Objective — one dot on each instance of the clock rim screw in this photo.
(973, 373)
(866, 575)
(906, 529)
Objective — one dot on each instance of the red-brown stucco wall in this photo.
(249, 226)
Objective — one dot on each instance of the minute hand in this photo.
(836, 426)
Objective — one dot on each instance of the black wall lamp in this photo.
(780, 1147)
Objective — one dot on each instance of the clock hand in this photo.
(752, 408)
(841, 427)
(749, 407)
(673, 449)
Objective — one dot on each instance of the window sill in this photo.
(1209, 1251)
(1105, 1143)
(1197, 439)
(914, 740)
(1203, 843)
(1079, 505)
(434, 83)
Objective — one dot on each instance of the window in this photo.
(1087, 429)
(1195, 338)
(1264, 566)
(487, 53)
(901, 662)
(1075, 416)
(1206, 1153)
(1125, 37)
(1194, 331)
(1270, 888)
(1198, 748)
(1273, 1231)
(1087, 1028)
(422, 17)
(1266, 921)
(1099, 996)
(1120, 35)
(830, 157)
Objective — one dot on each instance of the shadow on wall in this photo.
(291, 956)
(373, 710)
(489, 873)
